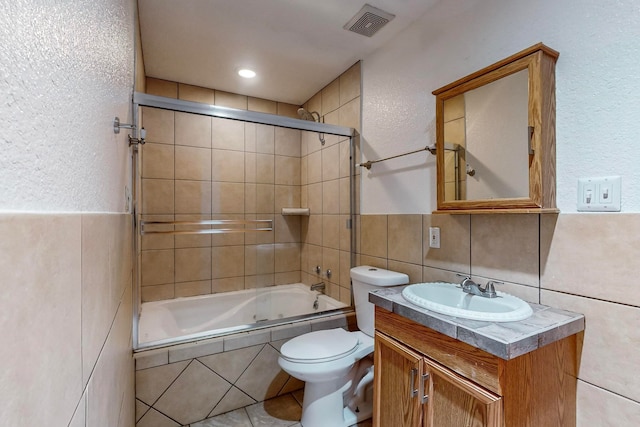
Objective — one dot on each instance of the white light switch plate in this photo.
(600, 194)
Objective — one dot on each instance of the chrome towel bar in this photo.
(264, 225)
(368, 164)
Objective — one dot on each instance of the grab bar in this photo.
(267, 222)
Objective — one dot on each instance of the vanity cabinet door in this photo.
(451, 400)
(397, 373)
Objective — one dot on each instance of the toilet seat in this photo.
(320, 346)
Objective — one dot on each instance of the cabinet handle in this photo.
(425, 388)
(413, 390)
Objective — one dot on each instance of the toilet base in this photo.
(324, 403)
(351, 417)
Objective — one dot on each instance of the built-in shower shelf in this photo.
(296, 211)
(195, 227)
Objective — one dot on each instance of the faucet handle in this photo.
(465, 277)
(490, 289)
(466, 280)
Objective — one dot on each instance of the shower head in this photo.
(305, 115)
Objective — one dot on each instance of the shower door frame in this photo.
(177, 105)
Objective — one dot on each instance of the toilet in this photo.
(337, 365)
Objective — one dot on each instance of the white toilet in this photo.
(334, 362)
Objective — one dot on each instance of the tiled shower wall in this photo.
(325, 186)
(264, 169)
(581, 262)
(196, 168)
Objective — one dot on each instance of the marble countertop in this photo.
(506, 340)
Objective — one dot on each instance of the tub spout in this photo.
(320, 287)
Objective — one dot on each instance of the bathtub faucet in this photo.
(318, 287)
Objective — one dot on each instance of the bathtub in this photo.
(184, 319)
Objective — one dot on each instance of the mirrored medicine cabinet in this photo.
(495, 137)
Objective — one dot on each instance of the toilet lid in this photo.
(320, 346)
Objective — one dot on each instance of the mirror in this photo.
(496, 136)
(478, 124)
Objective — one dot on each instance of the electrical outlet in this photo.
(434, 237)
(599, 194)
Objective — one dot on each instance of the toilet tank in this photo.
(365, 279)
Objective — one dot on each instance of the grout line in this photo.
(591, 298)
(244, 408)
(145, 412)
(169, 386)
(609, 391)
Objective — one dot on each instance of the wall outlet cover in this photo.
(434, 237)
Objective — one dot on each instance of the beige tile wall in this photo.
(193, 381)
(69, 283)
(325, 171)
(197, 168)
(216, 97)
(580, 262)
(202, 168)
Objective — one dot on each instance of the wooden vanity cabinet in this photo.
(431, 395)
(424, 378)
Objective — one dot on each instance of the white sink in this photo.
(449, 299)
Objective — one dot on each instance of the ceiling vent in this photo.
(368, 21)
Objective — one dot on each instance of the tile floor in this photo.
(282, 411)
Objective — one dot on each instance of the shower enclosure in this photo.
(249, 205)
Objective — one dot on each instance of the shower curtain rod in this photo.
(368, 164)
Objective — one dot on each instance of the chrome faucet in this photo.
(320, 287)
(471, 287)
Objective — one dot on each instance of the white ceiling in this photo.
(296, 46)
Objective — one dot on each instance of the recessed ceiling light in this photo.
(246, 73)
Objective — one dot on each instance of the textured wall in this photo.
(67, 71)
(597, 82)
